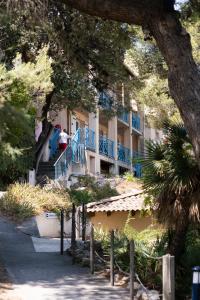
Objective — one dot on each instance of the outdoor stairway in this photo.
(58, 165)
(46, 169)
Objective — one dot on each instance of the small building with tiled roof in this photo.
(113, 212)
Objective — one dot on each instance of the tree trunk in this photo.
(177, 245)
(173, 42)
(47, 129)
(183, 75)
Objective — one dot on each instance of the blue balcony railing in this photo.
(90, 139)
(137, 166)
(124, 117)
(106, 147)
(137, 170)
(74, 153)
(53, 142)
(136, 154)
(105, 100)
(123, 154)
(135, 121)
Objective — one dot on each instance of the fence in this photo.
(168, 268)
(168, 262)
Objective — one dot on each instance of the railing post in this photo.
(168, 277)
(61, 232)
(83, 222)
(132, 269)
(73, 234)
(112, 257)
(92, 249)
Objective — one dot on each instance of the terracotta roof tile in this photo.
(124, 202)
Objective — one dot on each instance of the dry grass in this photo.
(125, 186)
(23, 201)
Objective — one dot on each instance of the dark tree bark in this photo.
(46, 131)
(177, 245)
(174, 43)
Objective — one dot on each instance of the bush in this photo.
(102, 192)
(146, 242)
(189, 259)
(93, 190)
(23, 201)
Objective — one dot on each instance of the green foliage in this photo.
(189, 259)
(23, 201)
(130, 177)
(80, 196)
(146, 243)
(171, 175)
(88, 190)
(88, 53)
(22, 94)
(102, 192)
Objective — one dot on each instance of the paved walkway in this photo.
(48, 276)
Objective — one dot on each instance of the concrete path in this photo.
(48, 276)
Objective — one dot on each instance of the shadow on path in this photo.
(49, 276)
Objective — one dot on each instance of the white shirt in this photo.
(63, 138)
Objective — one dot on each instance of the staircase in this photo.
(47, 168)
(57, 168)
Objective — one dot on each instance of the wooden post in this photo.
(73, 234)
(83, 222)
(168, 270)
(132, 269)
(112, 257)
(61, 232)
(92, 249)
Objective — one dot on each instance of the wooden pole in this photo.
(61, 232)
(168, 271)
(92, 249)
(73, 234)
(83, 222)
(132, 269)
(112, 257)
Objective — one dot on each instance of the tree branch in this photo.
(128, 11)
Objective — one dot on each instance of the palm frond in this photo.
(170, 172)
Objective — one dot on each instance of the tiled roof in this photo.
(124, 202)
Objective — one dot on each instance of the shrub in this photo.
(23, 201)
(129, 177)
(102, 192)
(93, 190)
(146, 242)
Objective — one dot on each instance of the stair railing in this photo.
(75, 152)
(53, 142)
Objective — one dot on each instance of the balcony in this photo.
(137, 170)
(137, 166)
(123, 154)
(106, 147)
(124, 117)
(105, 101)
(135, 121)
(90, 139)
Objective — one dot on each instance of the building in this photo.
(99, 144)
(115, 212)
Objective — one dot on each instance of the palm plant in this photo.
(172, 179)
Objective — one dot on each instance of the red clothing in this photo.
(62, 146)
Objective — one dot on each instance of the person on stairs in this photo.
(63, 139)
